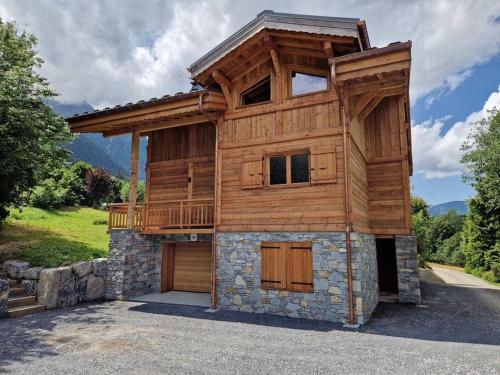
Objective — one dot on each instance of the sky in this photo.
(119, 51)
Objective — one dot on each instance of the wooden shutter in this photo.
(251, 173)
(299, 267)
(273, 265)
(323, 166)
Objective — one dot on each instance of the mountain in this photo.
(112, 154)
(439, 209)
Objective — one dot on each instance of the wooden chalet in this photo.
(292, 148)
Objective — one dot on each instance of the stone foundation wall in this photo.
(134, 262)
(407, 266)
(238, 276)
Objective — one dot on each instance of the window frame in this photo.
(241, 90)
(288, 164)
(306, 70)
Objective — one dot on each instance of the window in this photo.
(287, 169)
(287, 265)
(305, 83)
(258, 93)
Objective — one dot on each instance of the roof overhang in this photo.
(143, 117)
(269, 20)
(367, 77)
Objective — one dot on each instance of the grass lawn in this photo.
(54, 238)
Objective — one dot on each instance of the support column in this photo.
(132, 194)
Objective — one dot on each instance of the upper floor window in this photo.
(258, 93)
(305, 83)
(287, 169)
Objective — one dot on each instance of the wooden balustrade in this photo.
(166, 216)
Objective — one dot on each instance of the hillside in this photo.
(441, 208)
(111, 154)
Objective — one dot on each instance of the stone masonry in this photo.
(407, 265)
(238, 276)
(134, 262)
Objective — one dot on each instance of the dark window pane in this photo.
(303, 83)
(260, 92)
(277, 172)
(300, 168)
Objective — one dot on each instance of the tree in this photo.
(32, 137)
(481, 235)
(418, 204)
(98, 184)
(141, 191)
(73, 179)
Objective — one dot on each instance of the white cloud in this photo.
(438, 155)
(115, 51)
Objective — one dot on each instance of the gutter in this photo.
(347, 204)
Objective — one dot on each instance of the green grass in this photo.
(54, 238)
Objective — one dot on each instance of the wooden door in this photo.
(192, 267)
(167, 267)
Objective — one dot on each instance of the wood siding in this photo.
(180, 155)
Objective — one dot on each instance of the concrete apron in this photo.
(176, 298)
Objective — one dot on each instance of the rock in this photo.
(246, 308)
(90, 288)
(237, 300)
(100, 267)
(239, 281)
(321, 284)
(15, 268)
(29, 287)
(4, 297)
(32, 273)
(56, 287)
(292, 306)
(83, 268)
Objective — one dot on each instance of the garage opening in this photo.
(387, 269)
(186, 267)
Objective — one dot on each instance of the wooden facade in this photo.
(209, 153)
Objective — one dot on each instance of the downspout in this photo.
(213, 263)
(347, 202)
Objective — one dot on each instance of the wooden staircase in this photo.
(19, 302)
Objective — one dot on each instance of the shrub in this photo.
(100, 222)
(47, 195)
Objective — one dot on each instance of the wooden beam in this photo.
(363, 102)
(328, 48)
(225, 84)
(132, 194)
(274, 51)
(371, 106)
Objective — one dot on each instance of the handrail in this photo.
(157, 215)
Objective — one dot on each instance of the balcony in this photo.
(164, 217)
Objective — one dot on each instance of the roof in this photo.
(140, 104)
(268, 19)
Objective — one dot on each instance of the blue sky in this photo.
(469, 97)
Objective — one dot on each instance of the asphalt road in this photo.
(455, 331)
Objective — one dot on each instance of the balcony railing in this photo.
(196, 215)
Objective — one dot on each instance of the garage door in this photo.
(192, 266)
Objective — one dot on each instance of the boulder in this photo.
(32, 273)
(90, 288)
(4, 297)
(100, 267)
(15, 268)
(82, 269)
(56, 287)
(29, 287)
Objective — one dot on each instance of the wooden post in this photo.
(132, 194)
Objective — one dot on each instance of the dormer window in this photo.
(258, 93)
(307, 83)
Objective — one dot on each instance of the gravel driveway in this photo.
(456, 330)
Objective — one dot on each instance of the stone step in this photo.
(14, 283)
(16, 291)
(21, 301)
(24, 310)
